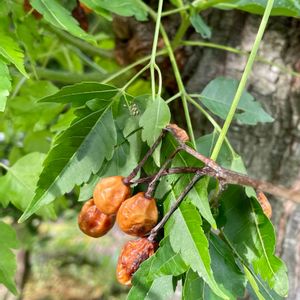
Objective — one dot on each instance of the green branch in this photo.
(243, 81)
(154, 47)
(82, 45)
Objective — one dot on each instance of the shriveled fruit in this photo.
(265, 204)
(132, 255)
(179, 132)
(93, 222)
(109, 194)
(137, 215)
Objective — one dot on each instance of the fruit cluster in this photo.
(135, 215)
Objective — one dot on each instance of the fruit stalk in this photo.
(134, 172)
(152, 184)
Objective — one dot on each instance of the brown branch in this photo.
(134, 172)
(177, 170)
(230, 177)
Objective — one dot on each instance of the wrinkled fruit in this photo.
(137, 215)
(179, 132)
(265, 204)
(132, 255)
(93, 222)
(109, 194)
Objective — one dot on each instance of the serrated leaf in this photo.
(252, 235)
(78, 152)
(193, 286)
(18, 184)
(280, 7)
(259, 289)
(200, 26)
(156, 117)
(166, 262)
(79, 94)
(187, 238)
(10, 50)
(54, 13)
(8, 263)
(5, 84)
(217, 96)
(126, 8)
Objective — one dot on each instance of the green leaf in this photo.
(8, 264)
(18, 185)
(258, 288)
(280, 7)
(165, 262)
(58, 16)
(160, 289)
(200, 26)
(127, 150)
(126, 8)
(227, 274)
(124, 159)
(187, 238)
(27, 113)
(5, 84)
(156, 117)
(79, 94)
(78, 152)
(252, 235)
(218, 95)
(193, 288)
(253, 284)
(10, 50)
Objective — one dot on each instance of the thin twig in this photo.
(152, 184)
(155, 230)
(176, 170)
(134, 172)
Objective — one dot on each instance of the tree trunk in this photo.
(270, 151)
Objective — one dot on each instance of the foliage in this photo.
(59, 139)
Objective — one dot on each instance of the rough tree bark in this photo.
(270, 151)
